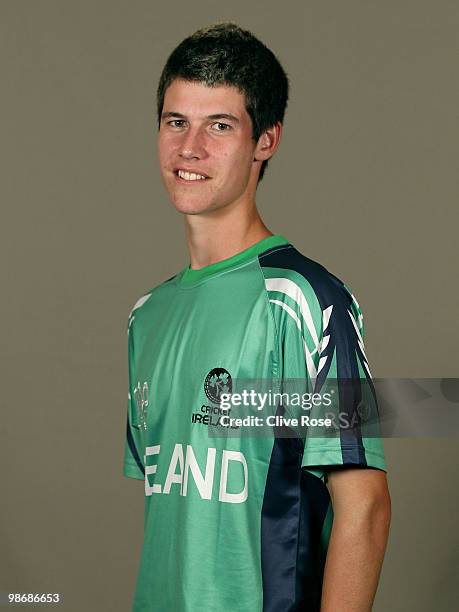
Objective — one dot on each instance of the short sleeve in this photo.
(133, 466)
(342, 380)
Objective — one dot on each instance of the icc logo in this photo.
(141, 402)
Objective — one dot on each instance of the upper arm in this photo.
(133, 462)
(345, 385)
(353, 489)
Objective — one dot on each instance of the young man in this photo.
(248, 523)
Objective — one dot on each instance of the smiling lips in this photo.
(189, 177)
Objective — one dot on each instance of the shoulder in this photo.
(145, 301)
(287, 271)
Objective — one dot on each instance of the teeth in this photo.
(190, 176)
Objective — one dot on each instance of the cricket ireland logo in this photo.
(217, 381)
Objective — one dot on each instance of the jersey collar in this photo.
(190, 276)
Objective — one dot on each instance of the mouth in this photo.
(190, 178)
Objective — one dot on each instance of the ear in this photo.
(268, 142)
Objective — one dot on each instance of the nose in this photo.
(192, 145)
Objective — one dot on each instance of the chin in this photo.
(191, 208)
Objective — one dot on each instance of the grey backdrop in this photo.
(365, 181)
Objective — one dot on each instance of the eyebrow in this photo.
(215, 116)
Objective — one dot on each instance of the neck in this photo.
(222, 234)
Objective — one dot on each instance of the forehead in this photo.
(198, 99)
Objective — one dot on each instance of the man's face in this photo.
(195, 136)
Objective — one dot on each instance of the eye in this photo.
(226, 127)
(175, 121)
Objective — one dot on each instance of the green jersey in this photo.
(240, 522)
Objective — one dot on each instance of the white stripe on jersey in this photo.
(308, 356)
(293, 291)
(140, 302)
